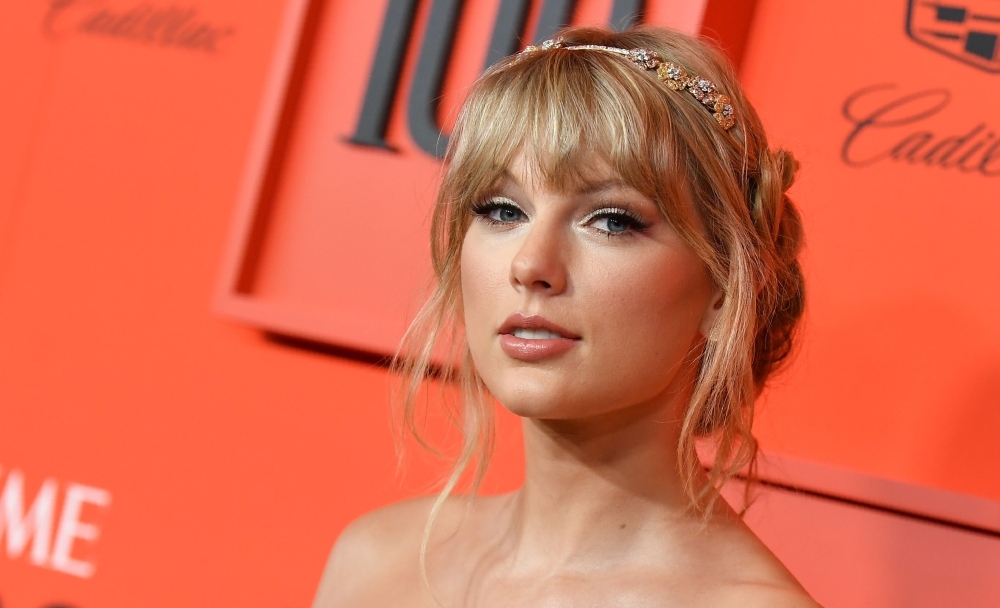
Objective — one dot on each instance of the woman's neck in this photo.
(594, 488)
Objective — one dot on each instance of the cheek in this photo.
(483, 280)
(646, 315)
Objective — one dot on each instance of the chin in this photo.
(541, 411)
(538, 397)
(550, 400)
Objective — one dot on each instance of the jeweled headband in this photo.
(674, 76)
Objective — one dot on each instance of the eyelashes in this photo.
(500, 211)
(615, 221)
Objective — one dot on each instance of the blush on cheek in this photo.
(483, 280)
(471, 295)
(649, 322)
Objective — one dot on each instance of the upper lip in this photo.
(521, 321)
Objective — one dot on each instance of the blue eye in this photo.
(506, 214)
(499, 211)
(615, 222)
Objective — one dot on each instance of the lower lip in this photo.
(534, 350)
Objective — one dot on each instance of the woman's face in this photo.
(580, 302)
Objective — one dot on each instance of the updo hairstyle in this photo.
(724, 191)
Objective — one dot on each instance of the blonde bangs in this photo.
(564, 109)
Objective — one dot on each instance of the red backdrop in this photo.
(191, 460)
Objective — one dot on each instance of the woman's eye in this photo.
(616, 222)
(499, 211)
(613, 224)
(506, 213)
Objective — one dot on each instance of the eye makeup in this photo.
(498, 211)
(612, 221)
(615, 221)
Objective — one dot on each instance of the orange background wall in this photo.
(899, 371)
(233, 459)
(225, 453)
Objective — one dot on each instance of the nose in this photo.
(539, 265)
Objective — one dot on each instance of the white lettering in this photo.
(20, 526)
(71, 528)
(36, 524)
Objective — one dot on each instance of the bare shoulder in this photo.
(371, 550)
(378, 554)
(757, 595)
(755, 577)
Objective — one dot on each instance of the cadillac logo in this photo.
(967, 31)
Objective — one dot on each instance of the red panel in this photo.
(313, 205)
(234, 461)
(847, 555)
(899, 371)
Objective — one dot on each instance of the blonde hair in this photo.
(723, 191)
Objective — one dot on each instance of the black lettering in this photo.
(556, 14)
(97, 23)
(425, 92)
(141, 23)
(942, 151)
(195, 38)
(125, 25)
(910, 146)
(626, 13)
(383, 80)
(975, 151)
(423, 103)
(175, 23)
(968, 154)
(507, 30)
(992, 155)
(152, 25)
(166, 25)
(887, 116)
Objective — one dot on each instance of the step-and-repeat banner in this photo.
(201, 202)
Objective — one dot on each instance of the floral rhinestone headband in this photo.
(674, 76)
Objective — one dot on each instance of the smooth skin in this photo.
(602, 518)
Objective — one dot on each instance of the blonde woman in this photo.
(616, 264)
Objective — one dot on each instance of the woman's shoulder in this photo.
(748, 574)
(378, 554)
(373, 549)
(764, 596)
(388, 527)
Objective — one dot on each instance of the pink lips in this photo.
(534, 350)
